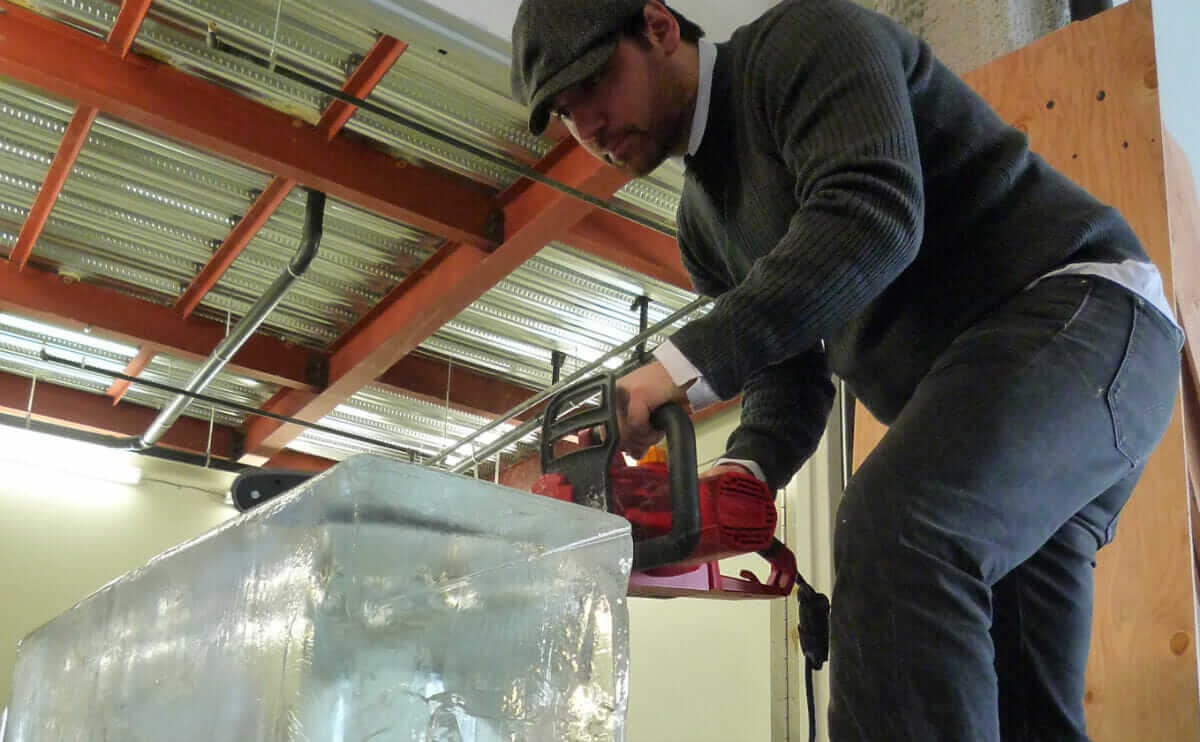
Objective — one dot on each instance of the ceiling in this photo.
(153, 164)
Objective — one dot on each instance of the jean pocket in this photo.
(1142, 395)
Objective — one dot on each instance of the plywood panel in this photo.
(1183, 216)
(1087, 98)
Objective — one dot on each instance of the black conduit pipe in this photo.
(246, 326)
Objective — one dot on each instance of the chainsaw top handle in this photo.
(588, 469)
(685, 493)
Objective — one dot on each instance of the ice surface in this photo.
(379, 601)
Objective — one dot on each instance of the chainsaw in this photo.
(681, 525)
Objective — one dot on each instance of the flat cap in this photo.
(560, 43)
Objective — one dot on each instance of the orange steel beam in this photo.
(49, 55)
(611, 236)
(138, 364)
(129, 20)
(376, 64)
(254, 219)
(125, 29)
(368, 74)
(41, 295)
(94, 412)
(470, 391)
(456, 276)
(632, 245)
(563, 147)
(60, 167)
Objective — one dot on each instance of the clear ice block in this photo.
(379, 601)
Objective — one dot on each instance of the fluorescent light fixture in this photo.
(38, 450)
(70, 336)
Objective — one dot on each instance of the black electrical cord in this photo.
(812, 626)
(812, 704)
(282, 69)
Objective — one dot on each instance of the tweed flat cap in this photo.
(559, 43)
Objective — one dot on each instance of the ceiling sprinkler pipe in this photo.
(249, 323)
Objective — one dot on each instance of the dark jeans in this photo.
(964, 546)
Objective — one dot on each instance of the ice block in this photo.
(379, 601)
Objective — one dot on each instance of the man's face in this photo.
(626, 114)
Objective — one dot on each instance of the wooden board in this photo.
(1087, 98)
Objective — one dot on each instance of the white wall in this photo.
(63, 537)
(1176, 28)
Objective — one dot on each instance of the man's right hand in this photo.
(638, 394)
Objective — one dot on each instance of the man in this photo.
(854, 206)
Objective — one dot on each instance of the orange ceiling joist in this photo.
(60, 60)
(129, 20)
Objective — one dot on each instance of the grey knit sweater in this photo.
(851, 189)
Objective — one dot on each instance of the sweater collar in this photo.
(710, 122)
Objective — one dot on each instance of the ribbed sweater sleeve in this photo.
(784, 409)
(825, 92)
(784, 406)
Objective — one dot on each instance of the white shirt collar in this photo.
(708, 60)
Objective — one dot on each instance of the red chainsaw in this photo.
(681, 525)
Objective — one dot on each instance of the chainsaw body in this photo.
(681, 525)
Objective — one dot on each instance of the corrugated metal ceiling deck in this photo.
(142, 215)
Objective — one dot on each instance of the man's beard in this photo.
(660, 146)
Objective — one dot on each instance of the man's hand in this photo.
(638, 394)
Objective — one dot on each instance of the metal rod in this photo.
(245, 327)
(212, 423)
(281, 68)
(223, 403)
(29, 404)
(557, 357)
(537, 398)
(531, 425)
(275, 37)
(642, 304)
(446, 416)
(515, 168)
